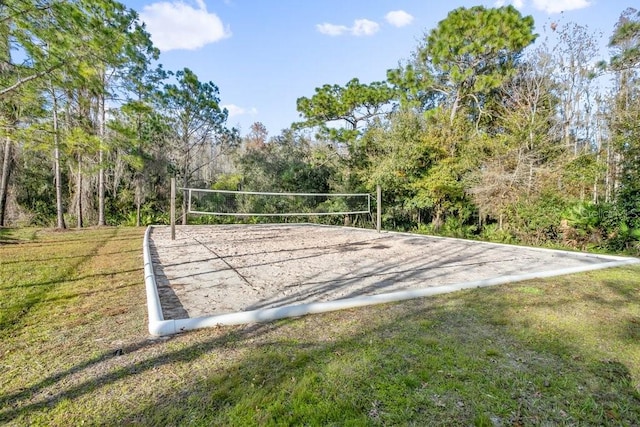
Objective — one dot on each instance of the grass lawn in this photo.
(74, 349)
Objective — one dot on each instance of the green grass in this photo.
(74, 349)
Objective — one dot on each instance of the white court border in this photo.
(158, 326)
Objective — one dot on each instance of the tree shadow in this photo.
(350, 366)
(32, 293)
(353, 366)
(39, 291)
(290, 373)
(62, 258)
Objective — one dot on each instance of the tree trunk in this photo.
(101, 184)
(454, 108)
(57, 170)
(79, 189)
(596, 178)
(7, 164)
(101, 221)
(437, 221)
(5, 67)
(138, 200)
(607, 176)
(58, 181)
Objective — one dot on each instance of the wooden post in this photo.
(173, 209)
(379, 212)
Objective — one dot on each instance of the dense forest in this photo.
(486, 130)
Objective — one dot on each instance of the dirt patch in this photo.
(211, 270)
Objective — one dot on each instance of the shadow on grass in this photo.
(64, 279)
(452, 360)
(11, 235)
(11, 400)
(436, 362)
(626, 289)
(630, 331)
(403, 370)
(38, 292)
(60, 258)
(5, 236)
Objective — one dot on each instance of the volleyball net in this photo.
(226, 203)
(265, 204)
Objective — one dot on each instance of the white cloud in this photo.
(548, 6)
(178, 25)
(518, 4)
(235, 111)
(361, 27)
(557, 6)
(332, 29)
(398, 18)
(364, 27)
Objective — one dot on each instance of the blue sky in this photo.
(264, 54)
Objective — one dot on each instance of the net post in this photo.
(173, 208)
(379, 207)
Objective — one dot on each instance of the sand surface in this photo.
(210, 270)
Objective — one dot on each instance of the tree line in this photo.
(487, 130)
(90, 128)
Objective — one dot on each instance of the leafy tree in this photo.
(289, 162)
(454, 151)
(8, 120)
(257, 137)
(137, 135)
(467, 56)
(34, 180)
(394, 154)
(54, 36)
(140, 138)
(626, 41)
(57, 164)
(18, 108)
(72, 46)
(521, 159)
(198, 122)
(625, 118)
(355, 103)
(574, 55)
(123, 51)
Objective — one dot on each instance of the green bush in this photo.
(537, 221)
(493, 233)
